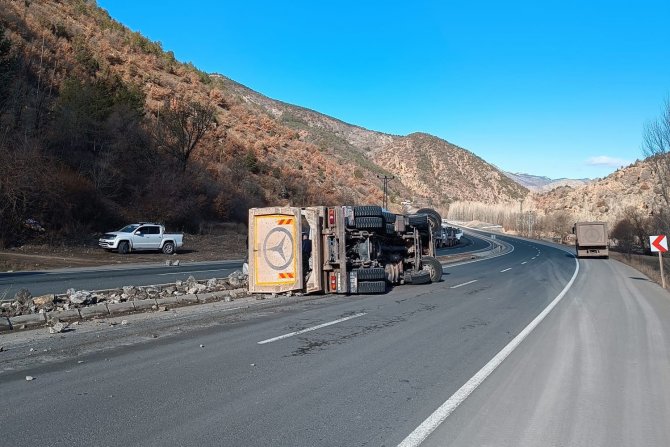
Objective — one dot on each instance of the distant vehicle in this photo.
(141, 236)
(591, 239)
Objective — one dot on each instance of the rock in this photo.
(170, 290)
(211, 283)
(245, 268)
(29, 378)
(80, 297)
(44, 301)
(69, 292)
(124, 322)
(24, 298)
(168, 263)
(130, 291)
(202, 346)
(175, 263)
(162, 308)
(32, 349)
(57, 328)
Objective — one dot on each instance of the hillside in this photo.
(88, 112)
(606, 199)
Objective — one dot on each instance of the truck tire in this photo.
(368, 222)
(433, 267)
(433, 217)
(371, 287)
(420, 277)
(368, 211)
(418, 220)
(371, 274)
(168, 248)
(389, 217)
(124, 247)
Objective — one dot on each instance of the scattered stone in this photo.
(154, 336)
(80, 361)
(168, 263)
(124, 322)
(202, 346)
(162, 308)
(29, 378)
(80, 297)
(175, 263)
(69, 292)
(32, 349)
(113, 323)
(44, 300)
(211, 282)
(252, 364)
(23, 298)
(2, 348)
(57, 328)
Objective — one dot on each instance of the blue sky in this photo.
(555, 88)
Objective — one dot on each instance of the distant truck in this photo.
(591, 239)
(141, 236)
(344, 249)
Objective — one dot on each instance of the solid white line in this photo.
(313, 328)
(193, 271)
(434, 420)
(506, 270)
(464, 284)
(524, 262)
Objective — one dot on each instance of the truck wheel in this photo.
(368, 222)
(371, 274)
(433, 217)
(420, 277)
(389, 217)
(367, 211)
(433, 267)
(124, 247)
(168, 248)
(418, 220)
(371, 287)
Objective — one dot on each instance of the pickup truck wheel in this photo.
(124, 247)
(433, 267)
(168, 248)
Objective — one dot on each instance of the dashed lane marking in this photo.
(313, 328)
(506, 270)
(464, 284)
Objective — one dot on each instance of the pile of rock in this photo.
(25, 304)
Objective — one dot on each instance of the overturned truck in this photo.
(341, 249)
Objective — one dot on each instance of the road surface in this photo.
(370, 370)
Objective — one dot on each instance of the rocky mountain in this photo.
(536, 183)
(606, 199)
(432, 170)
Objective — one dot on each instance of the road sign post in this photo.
(659, 244)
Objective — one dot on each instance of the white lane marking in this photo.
(532, 259)
(434, 420)
(313, 328)
(506, 270)
(192, 271)
(464, 284)
(524, 262)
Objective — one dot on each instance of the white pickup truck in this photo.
(141, 236)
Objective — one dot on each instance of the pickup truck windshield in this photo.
(128, 228)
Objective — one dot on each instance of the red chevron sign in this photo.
(658, 243)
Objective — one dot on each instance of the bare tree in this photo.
(656, 146)
(180, 126)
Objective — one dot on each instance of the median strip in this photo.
(309, 329)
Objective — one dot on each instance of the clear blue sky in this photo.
(555, 88)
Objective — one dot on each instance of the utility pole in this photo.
(385, 179)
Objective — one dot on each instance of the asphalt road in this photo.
(99, 278)
(327, 371)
